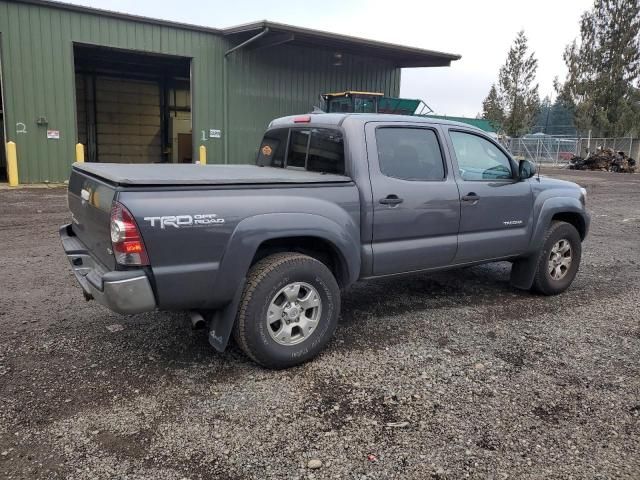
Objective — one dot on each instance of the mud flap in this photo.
(523, 272)
(221, 323)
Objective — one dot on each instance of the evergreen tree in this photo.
(561, 122)
(515, 103)
(604, 69)
(518, 89)
(492, 109)
(555, 118)
(635, 112)
(544, 117)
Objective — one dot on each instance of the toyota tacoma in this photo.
(262, 252)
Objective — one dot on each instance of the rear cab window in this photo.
(312, 149)
(273, 148)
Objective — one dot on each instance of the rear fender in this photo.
(251, 232)
(244, 243)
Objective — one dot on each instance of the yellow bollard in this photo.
(203, 155)
(12, 164)
(79, 153)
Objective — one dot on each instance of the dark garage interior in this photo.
(133, 107)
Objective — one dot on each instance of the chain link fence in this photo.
(540, 148)
(630, 146)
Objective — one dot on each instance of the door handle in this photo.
(391, 200)
(471, 197)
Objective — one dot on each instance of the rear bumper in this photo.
(123, 292)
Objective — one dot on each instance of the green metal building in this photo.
(135, 89)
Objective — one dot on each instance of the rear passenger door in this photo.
(496, 206)
(416, 205)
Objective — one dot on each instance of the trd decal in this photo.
(180, 221)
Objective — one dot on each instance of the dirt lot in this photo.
(433, 376)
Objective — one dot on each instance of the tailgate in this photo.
(90, 202)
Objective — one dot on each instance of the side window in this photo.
(273, 148)
(364, 105)
(409, 153)
(479, 159)
(339, 105)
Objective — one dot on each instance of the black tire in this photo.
(268, 277)
(543, 282)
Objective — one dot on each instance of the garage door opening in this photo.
(133, 107)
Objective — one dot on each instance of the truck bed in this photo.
(192, 174)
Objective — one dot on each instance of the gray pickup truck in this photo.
(263, 251)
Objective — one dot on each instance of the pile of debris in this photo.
(604, 159)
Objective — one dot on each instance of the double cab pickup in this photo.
(262, 252)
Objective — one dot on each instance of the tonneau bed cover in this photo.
(193, 174)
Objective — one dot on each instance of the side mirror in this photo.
(526, 169)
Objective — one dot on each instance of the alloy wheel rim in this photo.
(294, 313)
(560, 258)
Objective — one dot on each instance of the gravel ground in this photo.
(450, 375)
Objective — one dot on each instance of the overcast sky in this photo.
(480, 31)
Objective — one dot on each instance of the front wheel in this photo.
(559, 259)
(289, 310)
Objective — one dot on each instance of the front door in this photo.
(416, 205)
(496, 207)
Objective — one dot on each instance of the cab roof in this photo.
(338, 119)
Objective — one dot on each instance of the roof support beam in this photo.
(274, 40)
(247, 42)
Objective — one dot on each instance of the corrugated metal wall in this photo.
(269, 83)
(38, 77)
(36, 45)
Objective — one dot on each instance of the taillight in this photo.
(128, 247)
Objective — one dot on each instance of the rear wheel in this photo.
(559, 259)
(289, 310)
